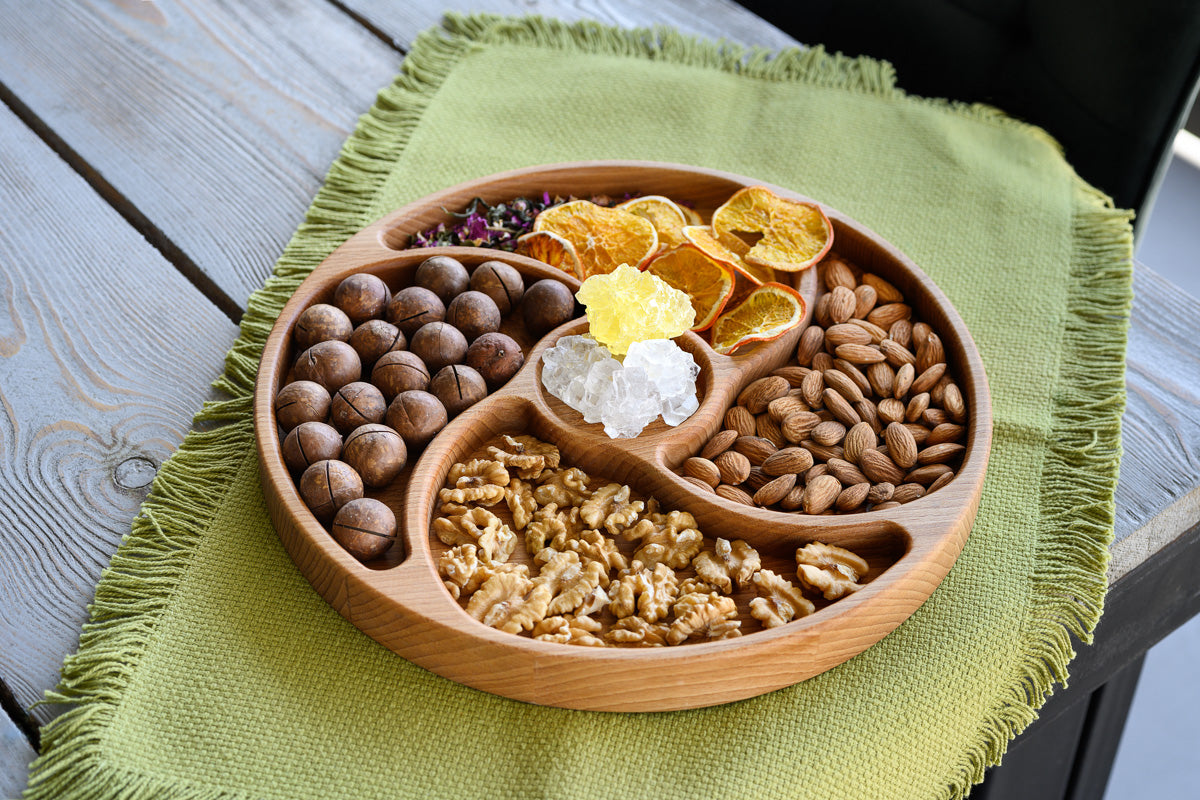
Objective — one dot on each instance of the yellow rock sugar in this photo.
(627, 306)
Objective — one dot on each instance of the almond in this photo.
(902, 447)
(879, 468)
(820, 494)
(852, 497)
(796, 427)
(823, 452)
(865, 298)
(816, 471)
(920, 332)
(926, 474)
(822, 361)
(941, 481)
(880, 493)
(754, 448)
(840, 408)
(885, 315)
(907, 492)
(930, 352)
(916, 407)
(703, 469)
(929, 378)
(811, 389)
(735, 494)
(737, 418)
(846, 333)
(779, 408)
(940, 453)
(855, 374)
(934, 416)
(734, 467)
(837, 272)
(792, 374)
(890, 410)
(878, 334)
(903, 382)
(860, 437)
(919, 433)
(793, 499)
(900, 332)
(789, 459)
(775, 490)
(952, 401)
(870, 415)
(821, 312)
(886, 291)
(811, 342)
(882, 378)
(886, 505)
(718, 444)
(767, 428)
(846, 473)
(945, 432)
(841, 304)
(897, 354)
(859, 353)
(828, 433)
(756, 480)
(759, 393)
(841, 383)
(699, 484)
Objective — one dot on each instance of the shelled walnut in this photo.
(570, 558)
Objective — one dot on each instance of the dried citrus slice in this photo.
(550, 248)
(704, 237)
(784, 234)
(604, 238)
(707, 282)
(664, 214)
(770, 311)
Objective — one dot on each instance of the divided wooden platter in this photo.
(400, 601)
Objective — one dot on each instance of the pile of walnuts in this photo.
(605, 567)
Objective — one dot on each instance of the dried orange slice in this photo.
(664, 214)
(784, 234)
(706, 281)
(704, 237)
(550, 248)
(770, 311)
(604, 238)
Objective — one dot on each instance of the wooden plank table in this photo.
(155, 157)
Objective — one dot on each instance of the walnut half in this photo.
(778, 601)
(833, 571)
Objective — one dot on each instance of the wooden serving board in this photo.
(400, 600)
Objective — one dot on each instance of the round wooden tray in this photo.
(400, 600)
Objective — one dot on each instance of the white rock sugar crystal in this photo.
(673, 372)
(656, 378)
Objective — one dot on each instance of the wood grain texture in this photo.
(713, 19)
(106, 352)
(216, 121)
(15, 756)
(404, 605)
(1158, 494)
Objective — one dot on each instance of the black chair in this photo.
(1111, 80)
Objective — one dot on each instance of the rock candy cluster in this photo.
(657, 377)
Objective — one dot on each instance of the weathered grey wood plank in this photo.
(106, 352)
(713, 19)
(1158, 496)
(15, 755)
(215, 121)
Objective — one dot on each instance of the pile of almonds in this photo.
(866, 416)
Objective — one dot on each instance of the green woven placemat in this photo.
(210, 668)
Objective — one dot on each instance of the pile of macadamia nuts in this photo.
(379, 374)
